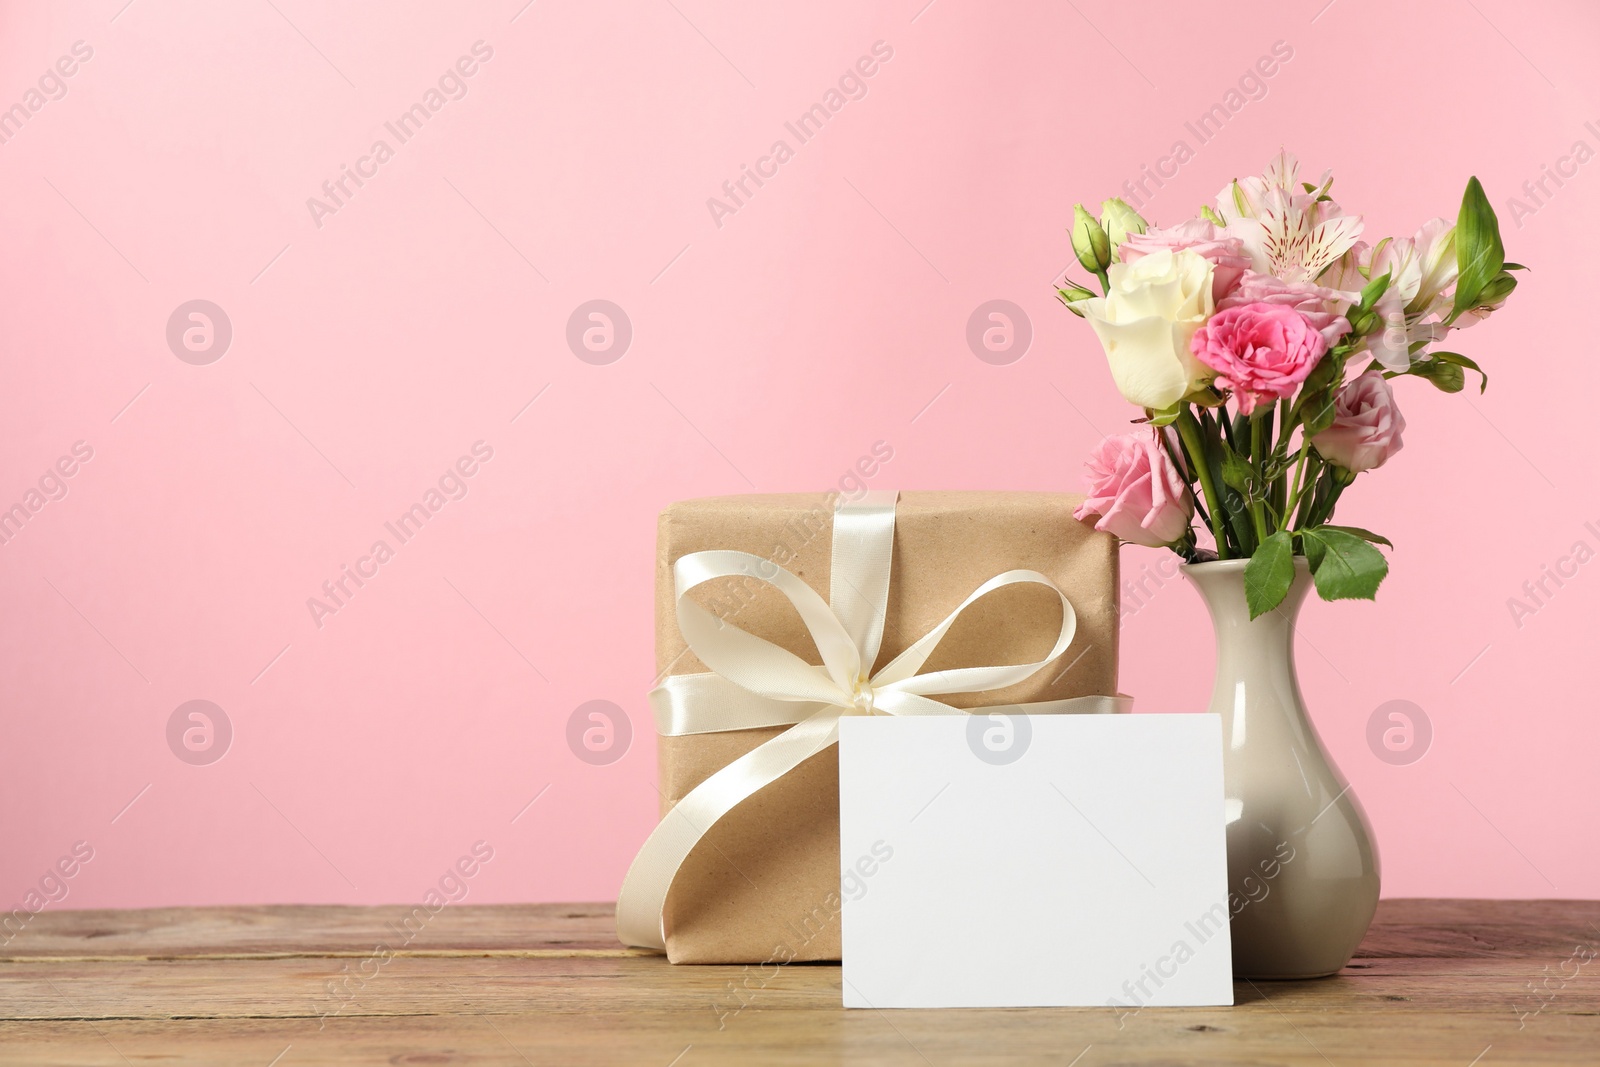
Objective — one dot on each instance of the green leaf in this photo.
(1343, 565)
(1457, 359)
(1513, 266)
(1331, 482)
(1269, 573)
(1237, 511)
(1237, 473)
(1373, 290)
(1232, 503)
(1365, 535)
(1314, 550)
(1480, 255)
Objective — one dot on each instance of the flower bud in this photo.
(1089, 241)
(1070, 293)
(1119, 220)
(1362, 321)
(1498, 288)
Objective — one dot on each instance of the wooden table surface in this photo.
(1436, 982)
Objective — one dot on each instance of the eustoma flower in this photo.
(1225, 253)
(1366, 425)
(1323, 308)
(1260, 351)
(1137, 492)
(1145, 323)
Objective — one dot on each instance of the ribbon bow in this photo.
(754, 683)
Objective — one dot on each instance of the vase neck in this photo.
(1221, 586)
(1255, 674)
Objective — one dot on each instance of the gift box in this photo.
(768, 609)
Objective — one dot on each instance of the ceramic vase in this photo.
(1302, 865)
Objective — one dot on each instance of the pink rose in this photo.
(1324, 308)
(1136, 491)
(1260, 351)
(1366, 425)
(1226, 253)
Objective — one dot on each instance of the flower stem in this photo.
(1299, 478)
(1189, 433)
(1308, 494)
(1280, 483)
(1258, 453)
(1185, 468)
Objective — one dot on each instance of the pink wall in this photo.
(374, 346)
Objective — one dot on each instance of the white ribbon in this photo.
(755, 683)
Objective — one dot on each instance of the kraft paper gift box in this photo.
(762, 884)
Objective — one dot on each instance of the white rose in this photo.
(1145, 323)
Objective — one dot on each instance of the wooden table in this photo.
(1436, 982)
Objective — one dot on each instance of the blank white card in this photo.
(1033, 860)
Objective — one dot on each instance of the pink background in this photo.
(768, 353)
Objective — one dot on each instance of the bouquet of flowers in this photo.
(1261, 339)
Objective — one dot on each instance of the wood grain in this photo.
(1435, 982)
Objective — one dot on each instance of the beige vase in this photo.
(1302, 865)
